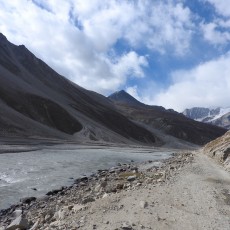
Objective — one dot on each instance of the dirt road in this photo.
(197, 198)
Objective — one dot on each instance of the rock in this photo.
(87, 200)
(103, 184)
(53, 192)
(78, 207)
(97, 188)
(61, 214)
(34, 227)
(43, 198)
(17, 213)
(54, 224)
(18, 223)
(132, 178)
(105, 195)
(82, 179)
(120, 186)
(143, 204)
(126, 226)
(27, 200)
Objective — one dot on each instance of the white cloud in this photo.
(213, 32)
(133, 91)
(217, 31)
(222, 6)
(208, 84)
(76, 37)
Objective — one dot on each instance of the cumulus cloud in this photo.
(216, 32)
(221, 6)
(208, 84)
(77, 38)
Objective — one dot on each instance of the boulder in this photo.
(132, 178)
(27, 200)
(19, 223)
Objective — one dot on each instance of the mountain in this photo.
(37, 102)
(165, 122)
(218, 116)
(219, 149)
(122, 96)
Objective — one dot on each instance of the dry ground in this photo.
(198, 197)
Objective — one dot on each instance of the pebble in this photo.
(143, 204)
(131, 178)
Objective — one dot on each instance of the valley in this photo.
(71, 158)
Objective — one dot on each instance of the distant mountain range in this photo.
(38, 103)
(163, 122)
(217, 116)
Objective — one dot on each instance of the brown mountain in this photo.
(167, 121)
(38, 102)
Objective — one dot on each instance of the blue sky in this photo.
(173, 53)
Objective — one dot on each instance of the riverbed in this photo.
(34, 173)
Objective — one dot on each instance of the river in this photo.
(51, 167)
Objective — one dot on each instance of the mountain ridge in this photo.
(216, 116)
(168, 122)
(36, 101)
(31, 90)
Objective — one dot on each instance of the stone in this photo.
(53, 192)
(143, 204)
(132, 178)
(61, 214)
(105, 195)
(27, 200)
(97, 188)
(20, 222)
(103, 184)
(34, 227)
(78, 207)
(17, 213)
(126, 226)
(54, 224)
(87, 200)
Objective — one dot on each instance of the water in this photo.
(53, 167)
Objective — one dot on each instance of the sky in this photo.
(173, 53)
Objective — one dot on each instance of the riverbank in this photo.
(48, 211)
(188, 191)
(35, 173)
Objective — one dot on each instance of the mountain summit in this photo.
(217, 116)
(163, 122)
(123, 97)
(37, 102)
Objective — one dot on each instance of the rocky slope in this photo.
(37, 102)
(219, 149)
(218, 116)
(167, 121)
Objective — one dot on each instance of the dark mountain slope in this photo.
(31, 90)
(168, 121)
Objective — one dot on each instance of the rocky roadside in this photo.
(219, 149)
(64, 208)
